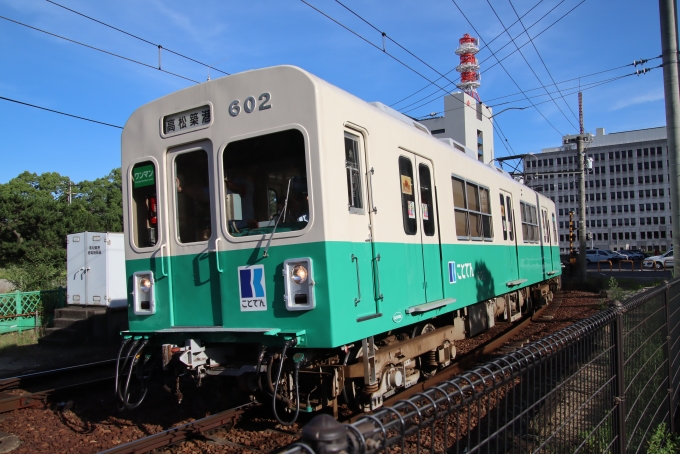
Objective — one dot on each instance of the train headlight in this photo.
(298, 274)
(298, 284)
(143, 298)
(145, 284)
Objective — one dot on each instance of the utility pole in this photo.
(70, 193)
(580, 139)
(669, 56)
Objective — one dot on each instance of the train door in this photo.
(509, 237)
(359, 263)
(193, 268)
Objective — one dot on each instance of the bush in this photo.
(36, 272)
(663, 441)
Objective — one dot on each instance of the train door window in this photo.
(554, 227)
(192, 188)
(266, 178)
(511, 224)
(353, 170)
(427, 208)
(408, 201)
(485, 209)
(529, 223)
(460, 211)
(546, 227)
(503, 217)
(144, 205)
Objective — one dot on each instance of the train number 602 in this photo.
(249, 104)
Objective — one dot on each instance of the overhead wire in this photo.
(501, 48)
(137, 37)
(482, 48)
(60, 113)
(541, 58)
(99, 50)
(506, 71)
(527, 61)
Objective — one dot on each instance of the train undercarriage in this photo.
(362, 374)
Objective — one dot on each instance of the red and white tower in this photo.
(469, 66)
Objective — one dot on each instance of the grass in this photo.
(28, 337)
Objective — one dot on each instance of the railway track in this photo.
(43, 386)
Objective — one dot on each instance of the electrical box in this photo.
(95, 266)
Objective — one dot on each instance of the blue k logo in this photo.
(252, 288)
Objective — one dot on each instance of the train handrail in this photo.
(357, 300)
(379, 295)
(611, 267)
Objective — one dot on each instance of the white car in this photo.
(595, 255)
(658, 261)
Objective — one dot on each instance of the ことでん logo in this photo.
(251, 287)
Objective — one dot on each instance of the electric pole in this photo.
(669, 55)
(579, 140)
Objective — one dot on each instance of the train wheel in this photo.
(427, 363)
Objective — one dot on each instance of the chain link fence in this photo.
(601, 385)
(28, 310)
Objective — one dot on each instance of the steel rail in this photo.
(26, 379)
(181, 433)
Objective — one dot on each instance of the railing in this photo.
(603, 384)
(28, 310)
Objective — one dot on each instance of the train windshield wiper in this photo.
(278, 218)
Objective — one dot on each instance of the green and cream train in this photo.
(307, 245)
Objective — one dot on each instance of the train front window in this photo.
(266, 179)
(192, 187)
(144, 205)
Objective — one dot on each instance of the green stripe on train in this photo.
(195, 293)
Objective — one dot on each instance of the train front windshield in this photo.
(266, 181)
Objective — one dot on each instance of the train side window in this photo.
(427, 207)
(408, 203)
(353, 170)
(192, 187)
(472, 210)
(511, 223)
(529, 223)
(144, 205)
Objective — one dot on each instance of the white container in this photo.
(95, 263)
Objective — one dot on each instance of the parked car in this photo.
(616, 255)
(595, 255)
(658, 261)
(634, 254)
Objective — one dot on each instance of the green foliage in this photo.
(663, 441)
(615, 292)
(36, 272)
(35, 217)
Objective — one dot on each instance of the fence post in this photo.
(671, 410)
(619, 383)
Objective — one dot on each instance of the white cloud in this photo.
(651, 96)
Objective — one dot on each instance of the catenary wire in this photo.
(507, 72)
(541, 58)
(501, 48)
(60, 113)
(98, 49)
(531, 68)
(137, 37)
(482, 48)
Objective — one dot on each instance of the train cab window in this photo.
(265, 178)
(353, 170)
(529, 223)
(144, 205)
(192, 188)
(427, 207)
(472, 210)
(408, 201)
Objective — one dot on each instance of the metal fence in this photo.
(603, 384)
(28, 310)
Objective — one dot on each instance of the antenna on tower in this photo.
(469, 66)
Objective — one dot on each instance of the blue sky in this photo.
(240, 35)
